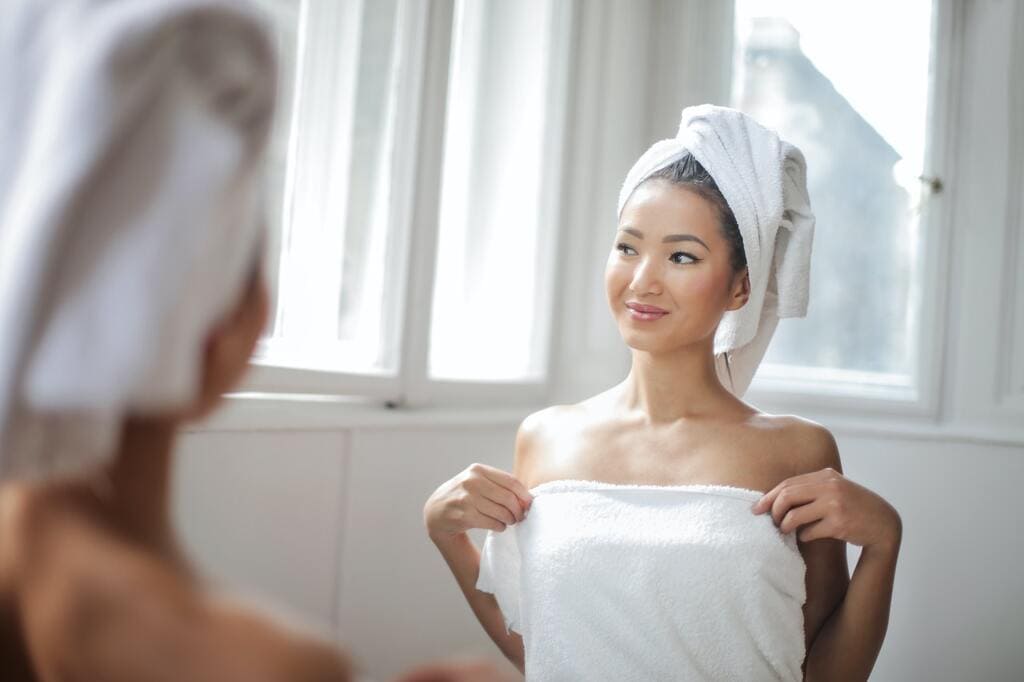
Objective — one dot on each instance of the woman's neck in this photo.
(667, 387)
(137, 499)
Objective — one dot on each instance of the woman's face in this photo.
(669, 255)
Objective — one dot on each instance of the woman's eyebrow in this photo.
(670, 238)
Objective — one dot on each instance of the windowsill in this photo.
(279, 412)
(297, 412)
(838, 386)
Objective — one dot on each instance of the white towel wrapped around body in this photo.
(639, 582)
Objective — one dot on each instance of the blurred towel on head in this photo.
(764, 180)
(130, 213)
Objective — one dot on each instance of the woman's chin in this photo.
(642, 341)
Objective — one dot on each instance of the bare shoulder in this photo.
(806, 445)
(286, 651)
(162, 620)
(535, 435)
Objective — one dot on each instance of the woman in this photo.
(131, 299)
(649, 551)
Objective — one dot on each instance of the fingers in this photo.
(505, 480)
(791, 496)
(813, 531)
(769, 499)
(802, 515)
(478, 519)
(819, 476)
(505, 497)
(495, 511)
(500, 487)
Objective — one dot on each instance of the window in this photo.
(852, 93)
(338, 250)
(500, 167)
(348, 153)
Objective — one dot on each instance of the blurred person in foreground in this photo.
(131, 298)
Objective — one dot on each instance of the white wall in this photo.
(329, 523)
(327, 526)
(319, 506)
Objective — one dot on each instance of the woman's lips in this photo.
(644, 312)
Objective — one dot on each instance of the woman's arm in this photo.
(482, 497)
(463, 559)
(846, 622)
(848, 644)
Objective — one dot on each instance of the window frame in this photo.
(415, 205)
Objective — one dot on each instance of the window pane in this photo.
(490, 311)
(342, 255)
(851, 91)
(370, 285)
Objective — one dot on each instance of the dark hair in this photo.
(687, 172)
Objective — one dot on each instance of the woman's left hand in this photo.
(826, 504)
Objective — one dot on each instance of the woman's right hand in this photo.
(480, 496)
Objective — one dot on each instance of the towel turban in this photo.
(130, 219)
(764, 180)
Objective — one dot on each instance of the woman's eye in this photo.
(690, 258)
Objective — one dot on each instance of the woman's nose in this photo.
(646, 277)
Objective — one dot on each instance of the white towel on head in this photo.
(132, 134)
(642, 582)
(764, 180)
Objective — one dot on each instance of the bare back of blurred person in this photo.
(131, 299)
(132, 296)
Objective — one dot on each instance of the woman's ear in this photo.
(740, 292)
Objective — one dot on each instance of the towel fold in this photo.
(637, 582)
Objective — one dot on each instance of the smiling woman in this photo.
(643, 274)
(640, 497)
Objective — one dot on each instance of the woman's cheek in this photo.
(617, 277)
(703, 282)
(698, 291)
